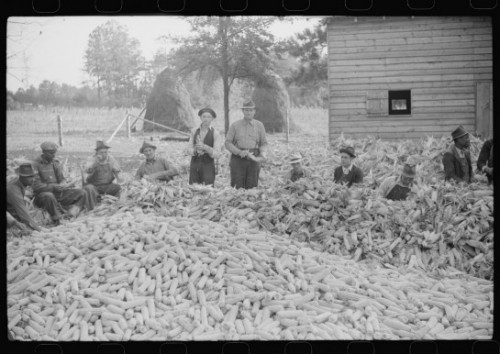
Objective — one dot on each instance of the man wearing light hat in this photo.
(347, 173)
(398, 187)
(16, 206)
(102, 170)
(155, 167)
(246, 140)
(297, 171)
(50, 187)
(457, 161)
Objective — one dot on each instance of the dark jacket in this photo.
(453, 168)
(486, 157)
(16, 204)
(354, 176)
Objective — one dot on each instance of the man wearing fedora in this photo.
(102, 170)
(398, 187)
(485, 160)
(457, 161)
(297, 172)
(347, 173)
(246, 140)
(155, 168)
(204, 147)
(16, 206)
(50, 187)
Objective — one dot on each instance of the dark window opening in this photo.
(400, 102)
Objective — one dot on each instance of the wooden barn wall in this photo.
(440, 59)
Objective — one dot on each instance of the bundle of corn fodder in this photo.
(140, 276)
(439, 226)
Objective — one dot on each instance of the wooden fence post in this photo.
(128, 124)
(59, 130)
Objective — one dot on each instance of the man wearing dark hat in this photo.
(457, 161)
(16, 206)
(204, 147)
(485, 160)
(155, 167)
(347, 173)
(246, 140)
(102, 170)
(398, 187)
(50, 187)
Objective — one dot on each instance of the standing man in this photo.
(50, 187)
(204, 147)
(347, 173)
(485, 160)
(155, 168)
(16, 206)
(246, 140)
(102, 170)
(457, 161)
(398, 187)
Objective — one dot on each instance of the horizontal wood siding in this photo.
(440, 59)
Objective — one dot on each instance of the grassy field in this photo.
(27, 129)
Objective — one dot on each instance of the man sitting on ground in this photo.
(155, 168)
(52, 193)
(398, 187)
(297, 172)
(457, 161)
(17, 211)
(102, 170)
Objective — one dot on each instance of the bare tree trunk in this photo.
(98, 92)
(223, 25)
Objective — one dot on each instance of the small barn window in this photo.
(400, 102)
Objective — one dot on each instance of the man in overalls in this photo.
(398, 187)
(246, 140)
(204, 148)
(50, 187)
(457, 161)
(102, 170)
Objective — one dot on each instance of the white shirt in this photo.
(346, 170)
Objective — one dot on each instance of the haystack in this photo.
(272, 102)
(169, 104)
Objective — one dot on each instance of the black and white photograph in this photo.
(249, 178)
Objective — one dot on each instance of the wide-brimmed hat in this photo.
(101, 145)
(458, 133)
(146, 145)
(25, 170)
(295, 157)
(207, 109)
(49, 146)
(248, 104)
(349, 150)
(409, 170)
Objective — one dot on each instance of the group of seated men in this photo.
(457, 166)
(53, 194)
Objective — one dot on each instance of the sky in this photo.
(52, 48)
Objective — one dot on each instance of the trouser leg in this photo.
(194, 171)
(48, 202)
(237, 167)
(252, 175)
(208, 172)
(110, 189)
(83, 198)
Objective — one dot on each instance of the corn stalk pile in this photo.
(440, 225)
(138, 275)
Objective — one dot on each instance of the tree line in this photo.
(224, 55)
